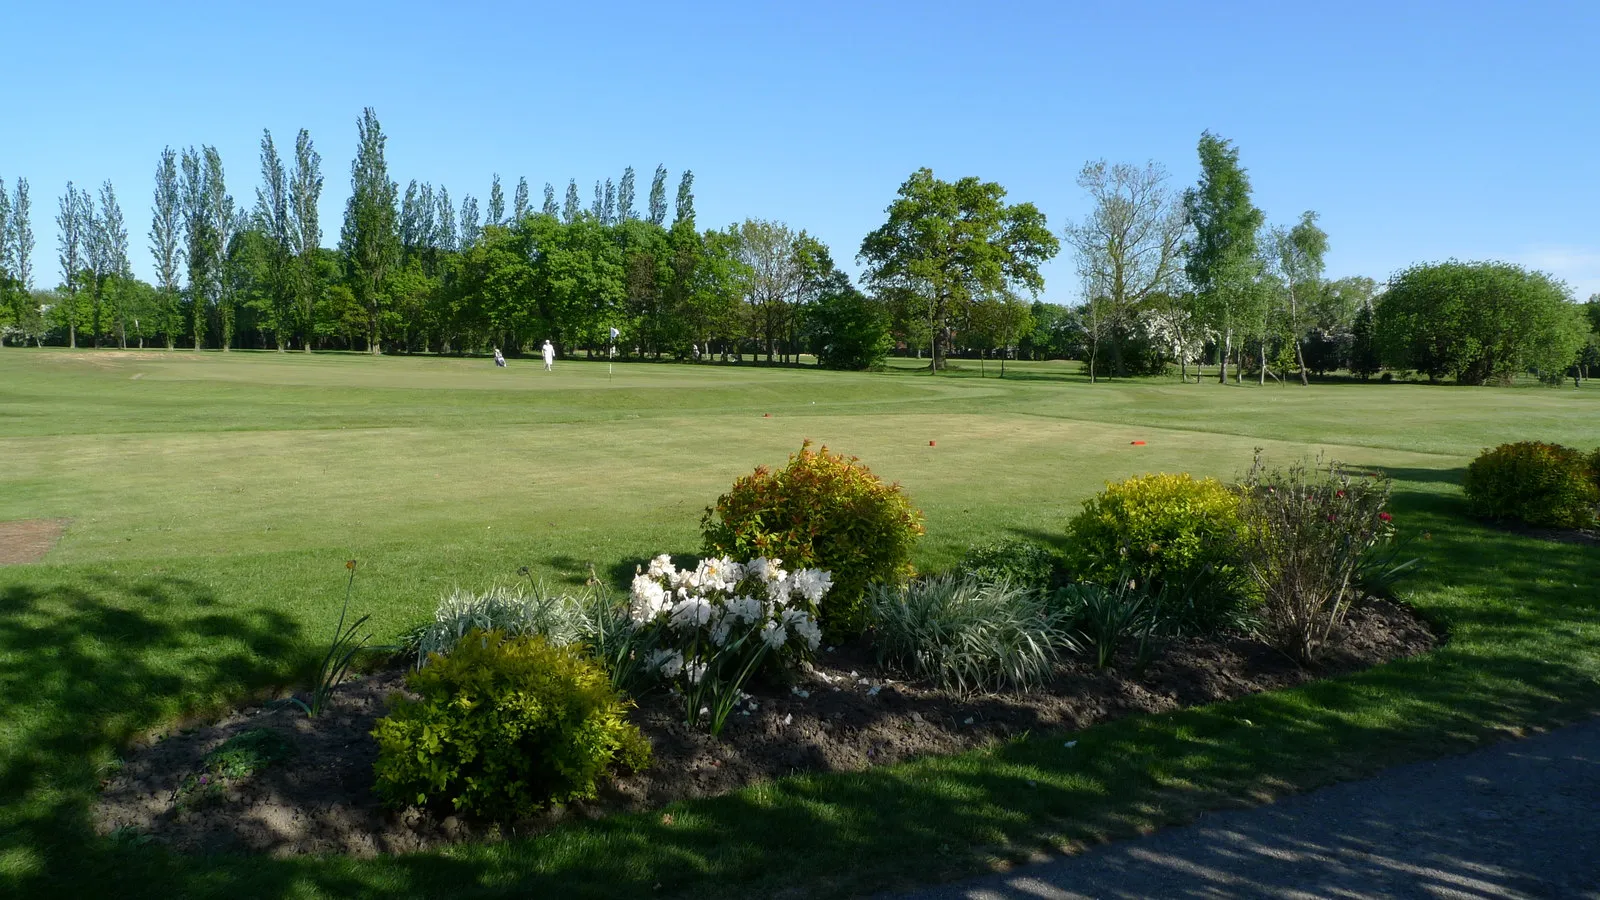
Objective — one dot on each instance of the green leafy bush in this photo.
(1175, 537)
(965, 634)
(1534, 482)
(1311, 530)
(1099, 620)
(1022, 563)
(503, 726)
(822, 511)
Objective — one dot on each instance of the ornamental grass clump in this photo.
(1098, 620)
(713, 627)
(1311, 529)
(1176, 537)
(967, 635)
(823, 511)
(559, 618)
(502, 726)
(1537, 483)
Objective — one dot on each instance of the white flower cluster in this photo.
(724, 604)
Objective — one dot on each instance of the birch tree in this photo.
(1128, 248)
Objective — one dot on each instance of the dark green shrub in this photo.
(821, 511)
(1534, 482)
(503, 726)
(1594, 468)
(1021, 563)
(965, 634)
(1174, 537)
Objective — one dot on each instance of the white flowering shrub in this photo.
(711, 627)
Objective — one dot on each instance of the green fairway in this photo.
(213, 498)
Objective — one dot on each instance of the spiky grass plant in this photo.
(1099, 620)
(967, 635)
(513, 610)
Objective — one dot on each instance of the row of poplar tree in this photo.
(414, 272)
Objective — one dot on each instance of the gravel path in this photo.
(1519, 819)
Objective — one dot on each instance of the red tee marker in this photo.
(766, 415)
(930, 443)
(1138, 443)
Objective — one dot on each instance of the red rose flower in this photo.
(1386, 517)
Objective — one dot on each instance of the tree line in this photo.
(1170, 278)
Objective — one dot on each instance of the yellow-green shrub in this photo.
(821, 511)
(1535, 482)
(503, 726)
(1179, 538)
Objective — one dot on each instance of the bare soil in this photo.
(28, 540)
(845, 713)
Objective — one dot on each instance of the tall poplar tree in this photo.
(97, 257)
(550, 208)
(570, 211)
(113, 237)
(685, 206)
(369, 239)
(272, 220)
(22, 235)
(446, 240)
(625, 196)
(470, 231)
(519, 202)
(6, 263)
(1222, 262)
(598, 208)
(305, 231)
(224, 225)
(166, 242)
(412, 237)
(199, 241)
(496, 213)
(658, 197)
(428, 222)
(74, 234)
(608, 210)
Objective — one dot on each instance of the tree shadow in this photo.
(1451, 476)
(88, 664)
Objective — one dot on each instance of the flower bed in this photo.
(840, 713)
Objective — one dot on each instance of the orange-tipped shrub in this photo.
(822, 511)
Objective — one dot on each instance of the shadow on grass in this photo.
(1525, 654)
(86, 665)
(1450, 476)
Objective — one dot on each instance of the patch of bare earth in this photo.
(28, 540)
(853, 715)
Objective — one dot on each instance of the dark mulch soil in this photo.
(843, 714)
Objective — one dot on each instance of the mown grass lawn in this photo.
(214, 498)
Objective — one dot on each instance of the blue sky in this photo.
(1419, 131)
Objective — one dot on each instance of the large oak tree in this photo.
(952, 244)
